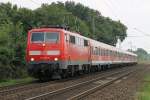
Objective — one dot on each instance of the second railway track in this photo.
(82, 89)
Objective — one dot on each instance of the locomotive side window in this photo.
(82, 42)
(52, 37)
(72, 39)
(78, 41)
(37, 37)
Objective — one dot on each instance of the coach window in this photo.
(102, 52)
(114, 53)
(82, 42)
(107, 52)
(110, 53)
(77, 40)
(92, 50)
(98, 51)
(85, 43)
(72, 39)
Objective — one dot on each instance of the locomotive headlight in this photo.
(43, 44)
(56, 59)
(32, 59)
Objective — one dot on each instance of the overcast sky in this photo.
(135, 14)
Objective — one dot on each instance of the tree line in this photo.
(143, 56)
(15, 23)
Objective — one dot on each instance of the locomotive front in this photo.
(44, 49)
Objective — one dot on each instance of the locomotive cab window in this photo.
(37, 37)
(52, 37)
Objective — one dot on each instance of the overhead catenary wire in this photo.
(111, 9)
(144, 33)
(35, 2)
(131, 27)
(136, 29)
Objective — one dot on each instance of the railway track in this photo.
(82, 89)
(8, 90)
(16, 88)
(32, 90)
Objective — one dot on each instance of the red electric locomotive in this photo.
(54, 51)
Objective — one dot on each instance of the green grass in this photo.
(144, 93)
(143, 62)
(16, 81)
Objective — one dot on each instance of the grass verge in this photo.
(144, 93)
(16, 81)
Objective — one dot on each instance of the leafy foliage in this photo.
(142, 55)
(15, 22)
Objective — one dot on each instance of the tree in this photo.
(15, 23)
(142, 54)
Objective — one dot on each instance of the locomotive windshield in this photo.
(45, 37)
(51, 37)
(37, 37)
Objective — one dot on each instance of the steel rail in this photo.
(92, 90)
(52, 93)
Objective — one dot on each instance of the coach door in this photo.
(89, 53)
